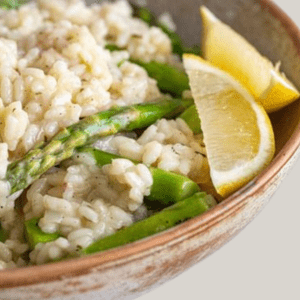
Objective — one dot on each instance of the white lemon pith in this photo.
(231, 52)
(237, 131)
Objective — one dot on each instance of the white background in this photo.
(263, 261)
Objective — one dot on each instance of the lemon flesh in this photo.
(231, 52)
(237, 131)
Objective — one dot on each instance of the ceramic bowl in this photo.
(127, 272)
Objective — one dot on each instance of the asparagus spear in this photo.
(167, 218)
(3, 235)
(167, 188)
(11, 4)
(35, 235)
(113, 47)
(147, 16)
(191, 117)
(22, 173)
(144, 14)
(183, 210)
(169, 79)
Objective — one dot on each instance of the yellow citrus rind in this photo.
(237, 131)
(229, 51)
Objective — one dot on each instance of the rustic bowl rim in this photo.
(76, 267)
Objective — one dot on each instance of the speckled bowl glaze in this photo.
(128, 272)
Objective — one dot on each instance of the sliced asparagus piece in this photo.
(167, 188)
(35, 235)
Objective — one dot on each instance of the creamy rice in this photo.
(168, 144)
(84, 203)
(55, 70)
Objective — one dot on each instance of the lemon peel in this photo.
(237, 131)
(229, 51)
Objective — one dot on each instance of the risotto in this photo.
(55, 69)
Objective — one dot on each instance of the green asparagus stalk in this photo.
(23, 172)
(167, 218)
(148, 17)
(169, 79)
(191, 117)
(144, 14)
(177, 43)
(113, 47)
(3, 235)
(35, 235)
(178, 47)
(167, 188)
(186, 209)
(11, 4)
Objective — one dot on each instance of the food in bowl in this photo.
(73, 79)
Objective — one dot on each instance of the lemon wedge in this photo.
(228, 50)
(237, 131)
